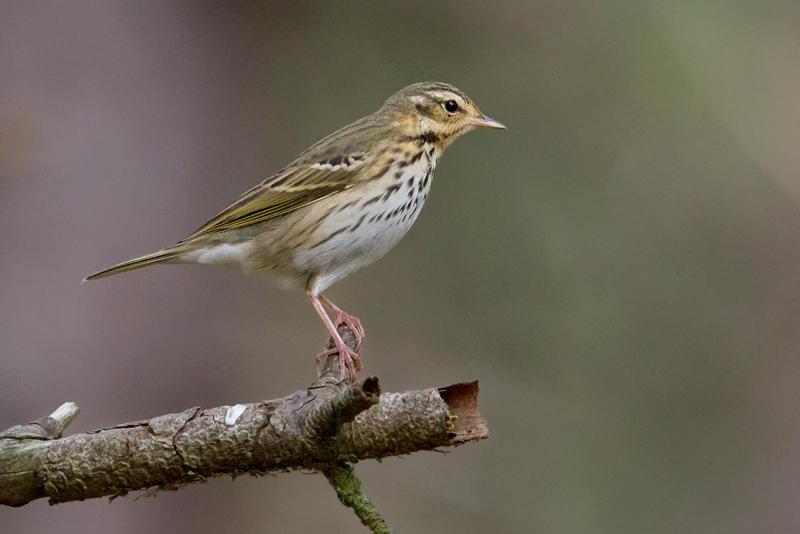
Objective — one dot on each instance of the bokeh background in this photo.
(620, 269)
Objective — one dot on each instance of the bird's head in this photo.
(438, 109)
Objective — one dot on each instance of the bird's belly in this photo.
(364, 225)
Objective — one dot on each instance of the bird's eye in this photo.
(451, 106)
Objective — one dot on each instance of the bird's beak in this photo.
(485, 122)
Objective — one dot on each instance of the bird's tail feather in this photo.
(137, 263)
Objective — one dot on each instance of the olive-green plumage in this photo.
(341, 204)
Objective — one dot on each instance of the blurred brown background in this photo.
(620, 268)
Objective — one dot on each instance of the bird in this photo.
(337, 207)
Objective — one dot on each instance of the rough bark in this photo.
(325, 427)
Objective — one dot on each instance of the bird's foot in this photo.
(342, 317)
(352, 322)
(349, 360)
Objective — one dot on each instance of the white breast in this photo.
(378, 216)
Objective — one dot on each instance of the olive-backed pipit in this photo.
(340, 205)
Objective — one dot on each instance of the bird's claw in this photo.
(352, 322)
(349, 360)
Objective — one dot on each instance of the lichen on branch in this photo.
(325, 427)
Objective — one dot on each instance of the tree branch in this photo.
(324, 428)
(348, 488)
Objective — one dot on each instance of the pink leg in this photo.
(342, 317)
(349, 360)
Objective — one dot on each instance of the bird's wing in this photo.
(297, 186)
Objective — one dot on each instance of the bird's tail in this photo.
(137, 263)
